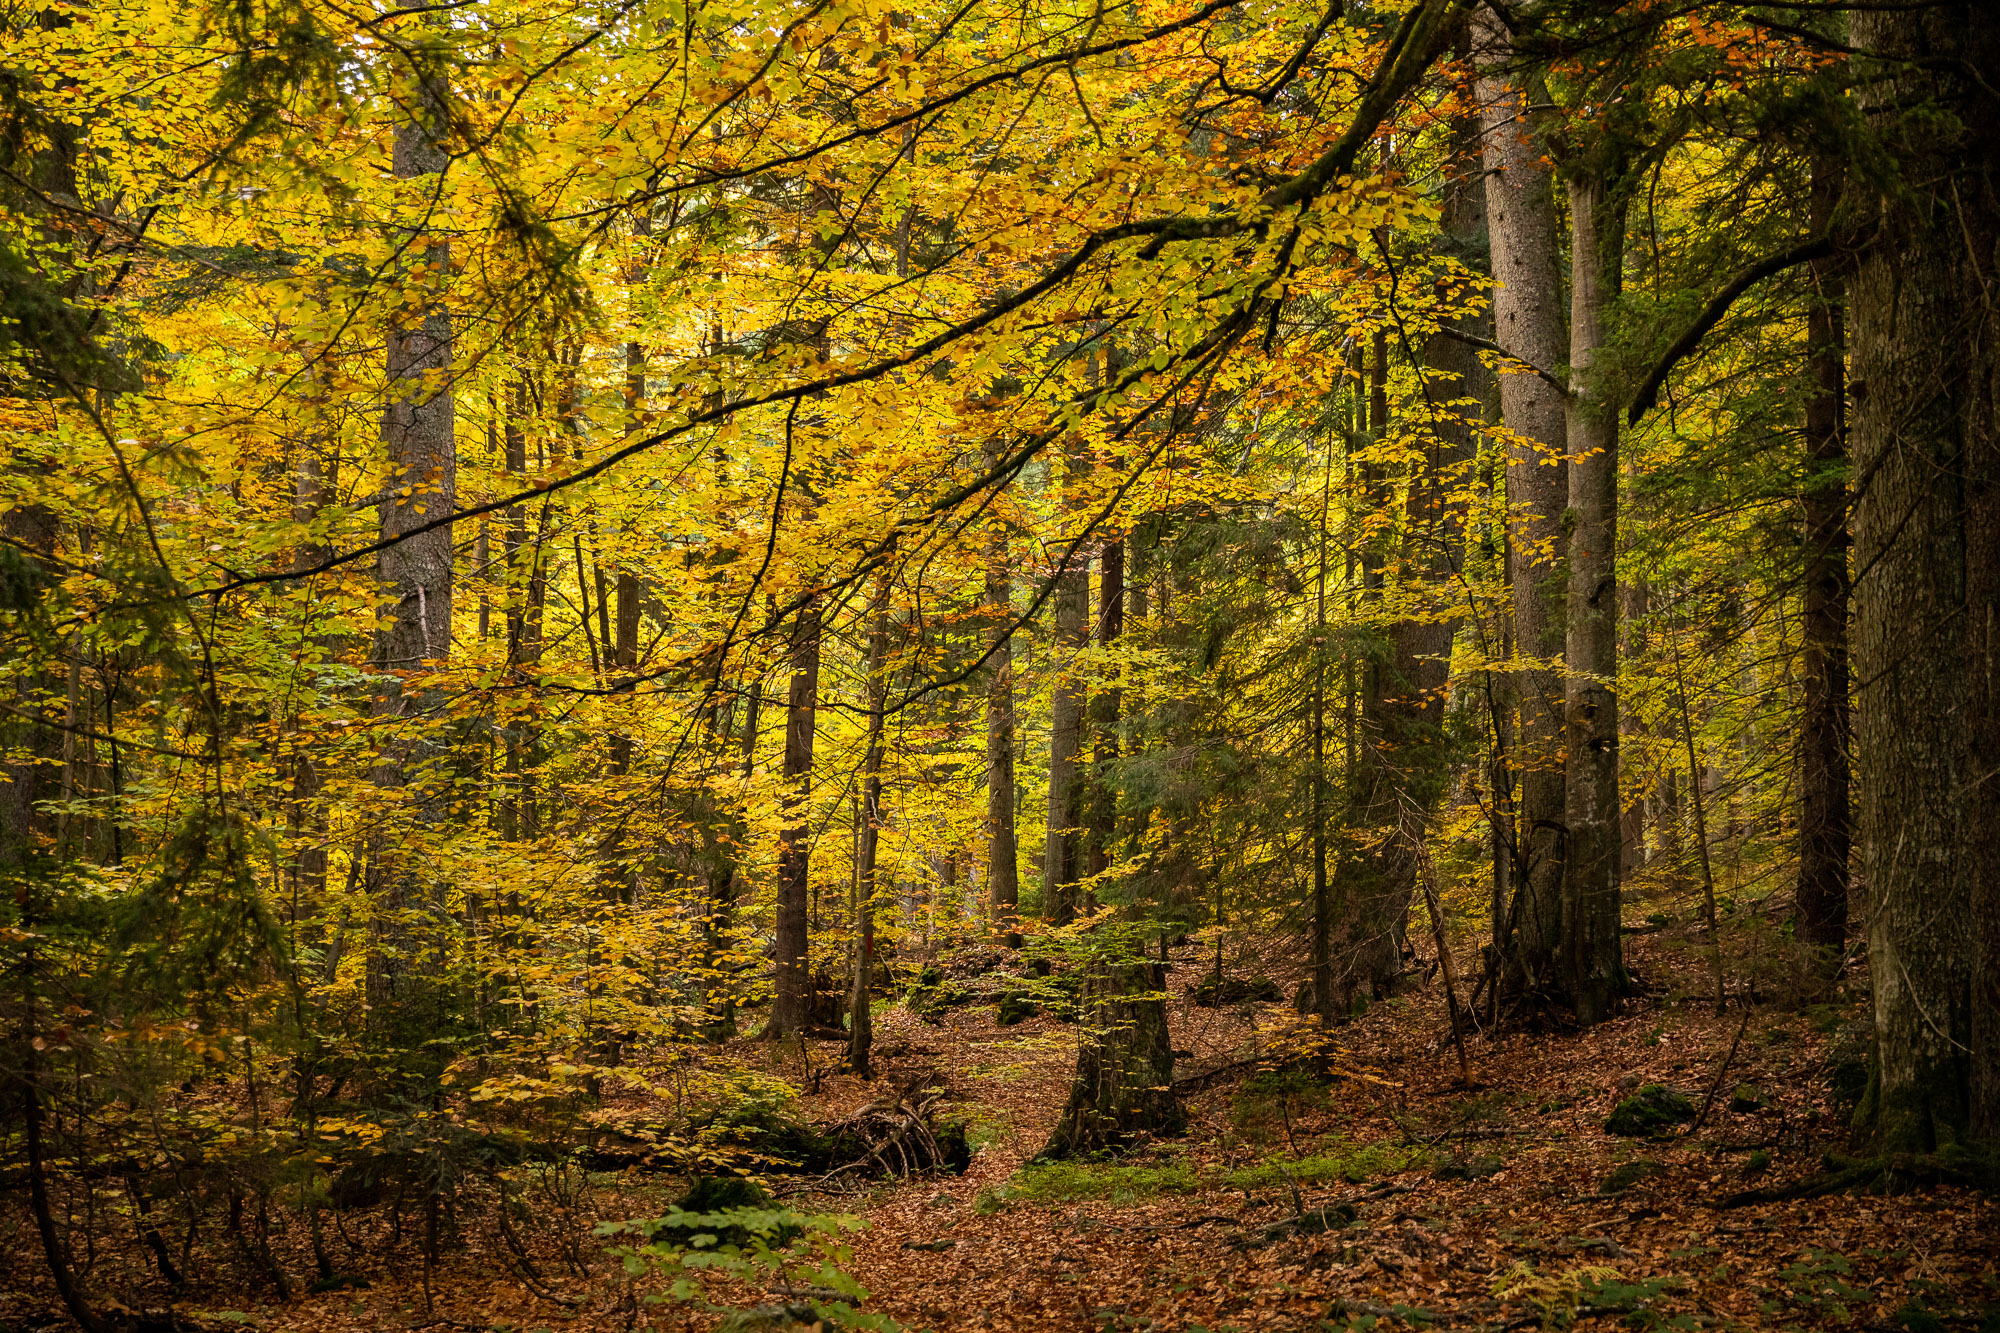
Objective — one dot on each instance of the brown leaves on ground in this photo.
(1519, 1210)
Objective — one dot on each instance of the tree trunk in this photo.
(861, 1033)
(23, 783)
(1593, 965)
(1825, 825)
(1528, 322)
(1003, 874)
(1926, 526)
(416, 571)
(1104, 710)
(790, 1004)
(1634, 606)
(1062, 861)
(1124, 1082)
(1402, 762)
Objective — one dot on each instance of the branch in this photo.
(1488, 345)
(1819, 247)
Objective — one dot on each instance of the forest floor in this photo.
(1506, 1204)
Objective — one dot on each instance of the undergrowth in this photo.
(1121, 1183)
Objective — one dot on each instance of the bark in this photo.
(790, 1008)
(1528, 321)
(1003, 874)
(24, 782)
(1825, 820)
(1634, 605)
(1401, 767)
(1593, 970)
(1926, 525)
(1062, 861)
(1124, 1082)
(1104, 712)
(861, 1035)
(415, 572)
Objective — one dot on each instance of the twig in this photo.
(1716, 1086)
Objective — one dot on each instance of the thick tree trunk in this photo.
(1593, 965)
(790, 1003)
(1124, 1082)
(1927, 600)
(1825, 824)
(1528, 322)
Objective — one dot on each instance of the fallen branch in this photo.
(1716, 1086)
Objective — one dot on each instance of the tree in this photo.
(1927, 538)
(1528, 324)
(1593, 971)
(1825, 819)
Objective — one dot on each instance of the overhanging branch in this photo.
(1819, 247)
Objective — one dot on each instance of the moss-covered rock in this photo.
(1017, 1007)
(935, 994)
(1748, 1097)
(1627, 1174)
(1649, 1111)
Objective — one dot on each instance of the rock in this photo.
(1630, 1082)
(1017, 1007)
(1649, 1111)
(1748, 1097)
(1468, 1168)
(1625, 1176)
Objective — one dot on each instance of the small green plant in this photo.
(1272, 1099)
(1816, 1281)
(706, 1258)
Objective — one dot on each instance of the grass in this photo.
(1118, 1183)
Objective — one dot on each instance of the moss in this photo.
(1648, 1111)
(1124, 1183)
(1629, 1174)
(1748, 1097)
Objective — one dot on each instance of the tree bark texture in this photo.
(1062, 861)
(1528, 322)
(1003, 872)
(1593, 966)
(1104, 713)
(1124, 1082)
(860, 1029)
(415, 572)
(1825, 818)
(791, 1001)
(1926, 376)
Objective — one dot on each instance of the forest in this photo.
(1192, 665)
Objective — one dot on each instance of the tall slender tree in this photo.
(1528, 324)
